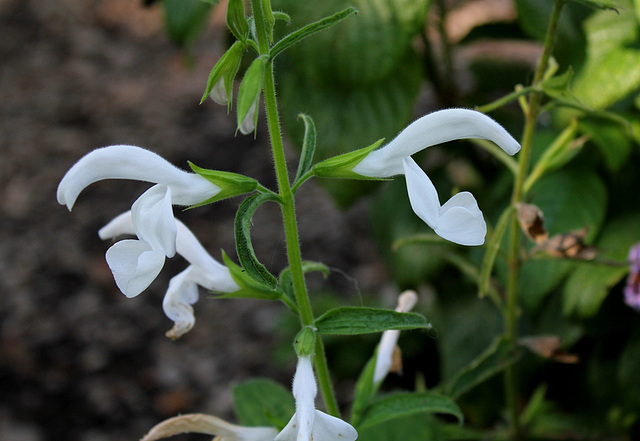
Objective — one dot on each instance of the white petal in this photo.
(208, 272)
(152, 217)
(119, 225)
(304, 391)
(422, 193)
(248, 124)
(384, 358)
(134, 265)
(219, 93)
(290, 431)
(461, 221)
(330, 428)
(130, 162)
(181, 294)
(434, 128)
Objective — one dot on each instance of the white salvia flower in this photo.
(248, 124)
(203, 270)
(384, 360)
(459, 219)
(219, 93)
(209, 425)
(308, 423)
(136, 263)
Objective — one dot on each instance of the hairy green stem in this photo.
(511, 311)
(288, 212)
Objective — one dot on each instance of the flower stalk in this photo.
(531, 112)
(288, 209)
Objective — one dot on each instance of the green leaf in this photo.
(601, 4)
(249, 287)
(237, 19)
(362, 320)
(308, 30)
(492, 361)
(612, 141)
(403, 404)
(588, 286)
(571, 199)
(262, 402)
(231, 184)
(244, 247)
(308, 146)
(184, 19)
(364, 390)
(611, 71)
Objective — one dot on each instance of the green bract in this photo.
(220, 82)
(231, 184)
(341, 166)
(249, 96)
(305, 342)
(237, 20)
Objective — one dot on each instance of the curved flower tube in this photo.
(138, 164)
(182, 292)
(459, 219)
(384, 359)
(308, 423)
(209, 425)
(136, 263)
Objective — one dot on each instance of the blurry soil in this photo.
(79, 361)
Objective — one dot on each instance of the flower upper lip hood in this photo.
(434, 128)
(136, 163)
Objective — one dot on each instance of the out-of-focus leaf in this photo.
(493, 360)
(587, 287)
(611, 139)
(184, 19)
(571, 200)
(262, 402)
(399, 405)
(611, 71)
(361, 320)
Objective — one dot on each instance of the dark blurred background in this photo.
(79, 361)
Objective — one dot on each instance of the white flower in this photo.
(459, 219)
(308, 423)
(209, 425)
(384, 360)
(136, 263)
(203, 270)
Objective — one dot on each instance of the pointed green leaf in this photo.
(237, 19)
(262, 402)
(492, 361)
(362, 320)
(244, 247)
(309, 29)
(364, 391)
(601, 4)
(308, 146)
(399, 405)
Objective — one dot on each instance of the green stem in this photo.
(288, 211)
(511, 311)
